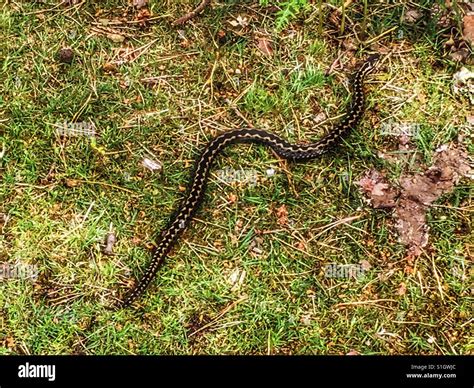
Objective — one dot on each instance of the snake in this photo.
(182, 217)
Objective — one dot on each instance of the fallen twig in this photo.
(192, 14)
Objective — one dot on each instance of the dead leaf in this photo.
(402, 289)
(72, 182)
(236, 278)
(282, 215)
(116, 38)
(305, 319)
(143, 15)
(265, 46)
(10, 342)
(350, 44)
(353, 353)
(381, 194)
(459, 55)
(301, 245)
(110, 67)
(239, 21)
(416, 193)
(234, 237)
(139, 3)
(365, 265)
(412, 16)
(110, 241)
(255, 245)
(136, 240)
(232, 198)
(463, 83)
(152, 165)
(468, 29)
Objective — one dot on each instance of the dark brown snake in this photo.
(292, 152)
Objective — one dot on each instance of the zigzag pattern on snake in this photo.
(293, 152)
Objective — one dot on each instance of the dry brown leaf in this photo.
(349, 44)
(468, 28)
(234, 237)
(353, 353)
(110, 241)
(381, 194)
(301, 245)
(116, 38)
(136, 240)
(110, 67)
(10, 342)
(412, 16)
(232, 198)
(282, 215)
(152, 165)
(459, 55)
(365, 265)
(402, 289)
(305, 319)
(416, 192)
(143, 15)
(265, 46)
(239, 21)
(140, 3)
(72, 182)
(236, 278)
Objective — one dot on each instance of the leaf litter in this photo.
(414, 194)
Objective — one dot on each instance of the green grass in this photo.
(62, 195)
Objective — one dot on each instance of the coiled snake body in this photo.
(286, 150)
